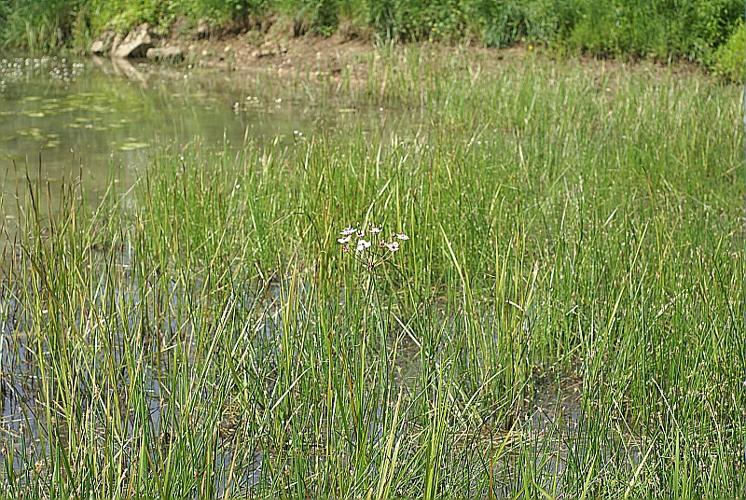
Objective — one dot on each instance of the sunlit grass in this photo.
(576, 244)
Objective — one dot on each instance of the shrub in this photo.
(730, 59)
(325, 16)
(662, 29)
(505, 22)
(37, 25)
(318, 16)
(222, 11)
(410, 20)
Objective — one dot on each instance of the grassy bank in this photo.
(693, 30)
(575, 243)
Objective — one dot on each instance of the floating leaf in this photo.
(30, 132)
(100, 109)
(132, 146)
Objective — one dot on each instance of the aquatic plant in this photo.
(565, 320)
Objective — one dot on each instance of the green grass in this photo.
(572, 228)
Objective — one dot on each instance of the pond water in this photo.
(98, 120)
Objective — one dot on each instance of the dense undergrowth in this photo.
(575, 238)
(694, 30)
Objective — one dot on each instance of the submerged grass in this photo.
(576, 243)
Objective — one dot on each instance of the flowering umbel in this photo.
(369, 245)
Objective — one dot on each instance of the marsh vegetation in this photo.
(565, 318)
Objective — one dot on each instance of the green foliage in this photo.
(223, 10)
(494, 23)
(38, 25)
(730, 59)
(661, 29)
(123, 14)
(409, 20)
(318, 16)
(325, 19)
(505, 22)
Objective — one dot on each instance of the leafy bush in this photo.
(730, 59)
(325, 16)
(505, 22)
(410, 20)
(661, 29)
(318, 16)
(222, 10)
(38, 25)
(123, 14)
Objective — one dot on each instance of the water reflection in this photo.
(99, 120)
(27, 429)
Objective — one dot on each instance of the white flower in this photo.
(362, 245)
(360, 233)
(401, 236)
(374, 230)
(348, 231)
(393, 246)
(344, 241)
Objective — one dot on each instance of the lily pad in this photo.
(132, 146)
(30, 132)
(100, 109)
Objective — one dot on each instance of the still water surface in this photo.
(99, 120)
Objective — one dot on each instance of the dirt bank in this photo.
(279, 49)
